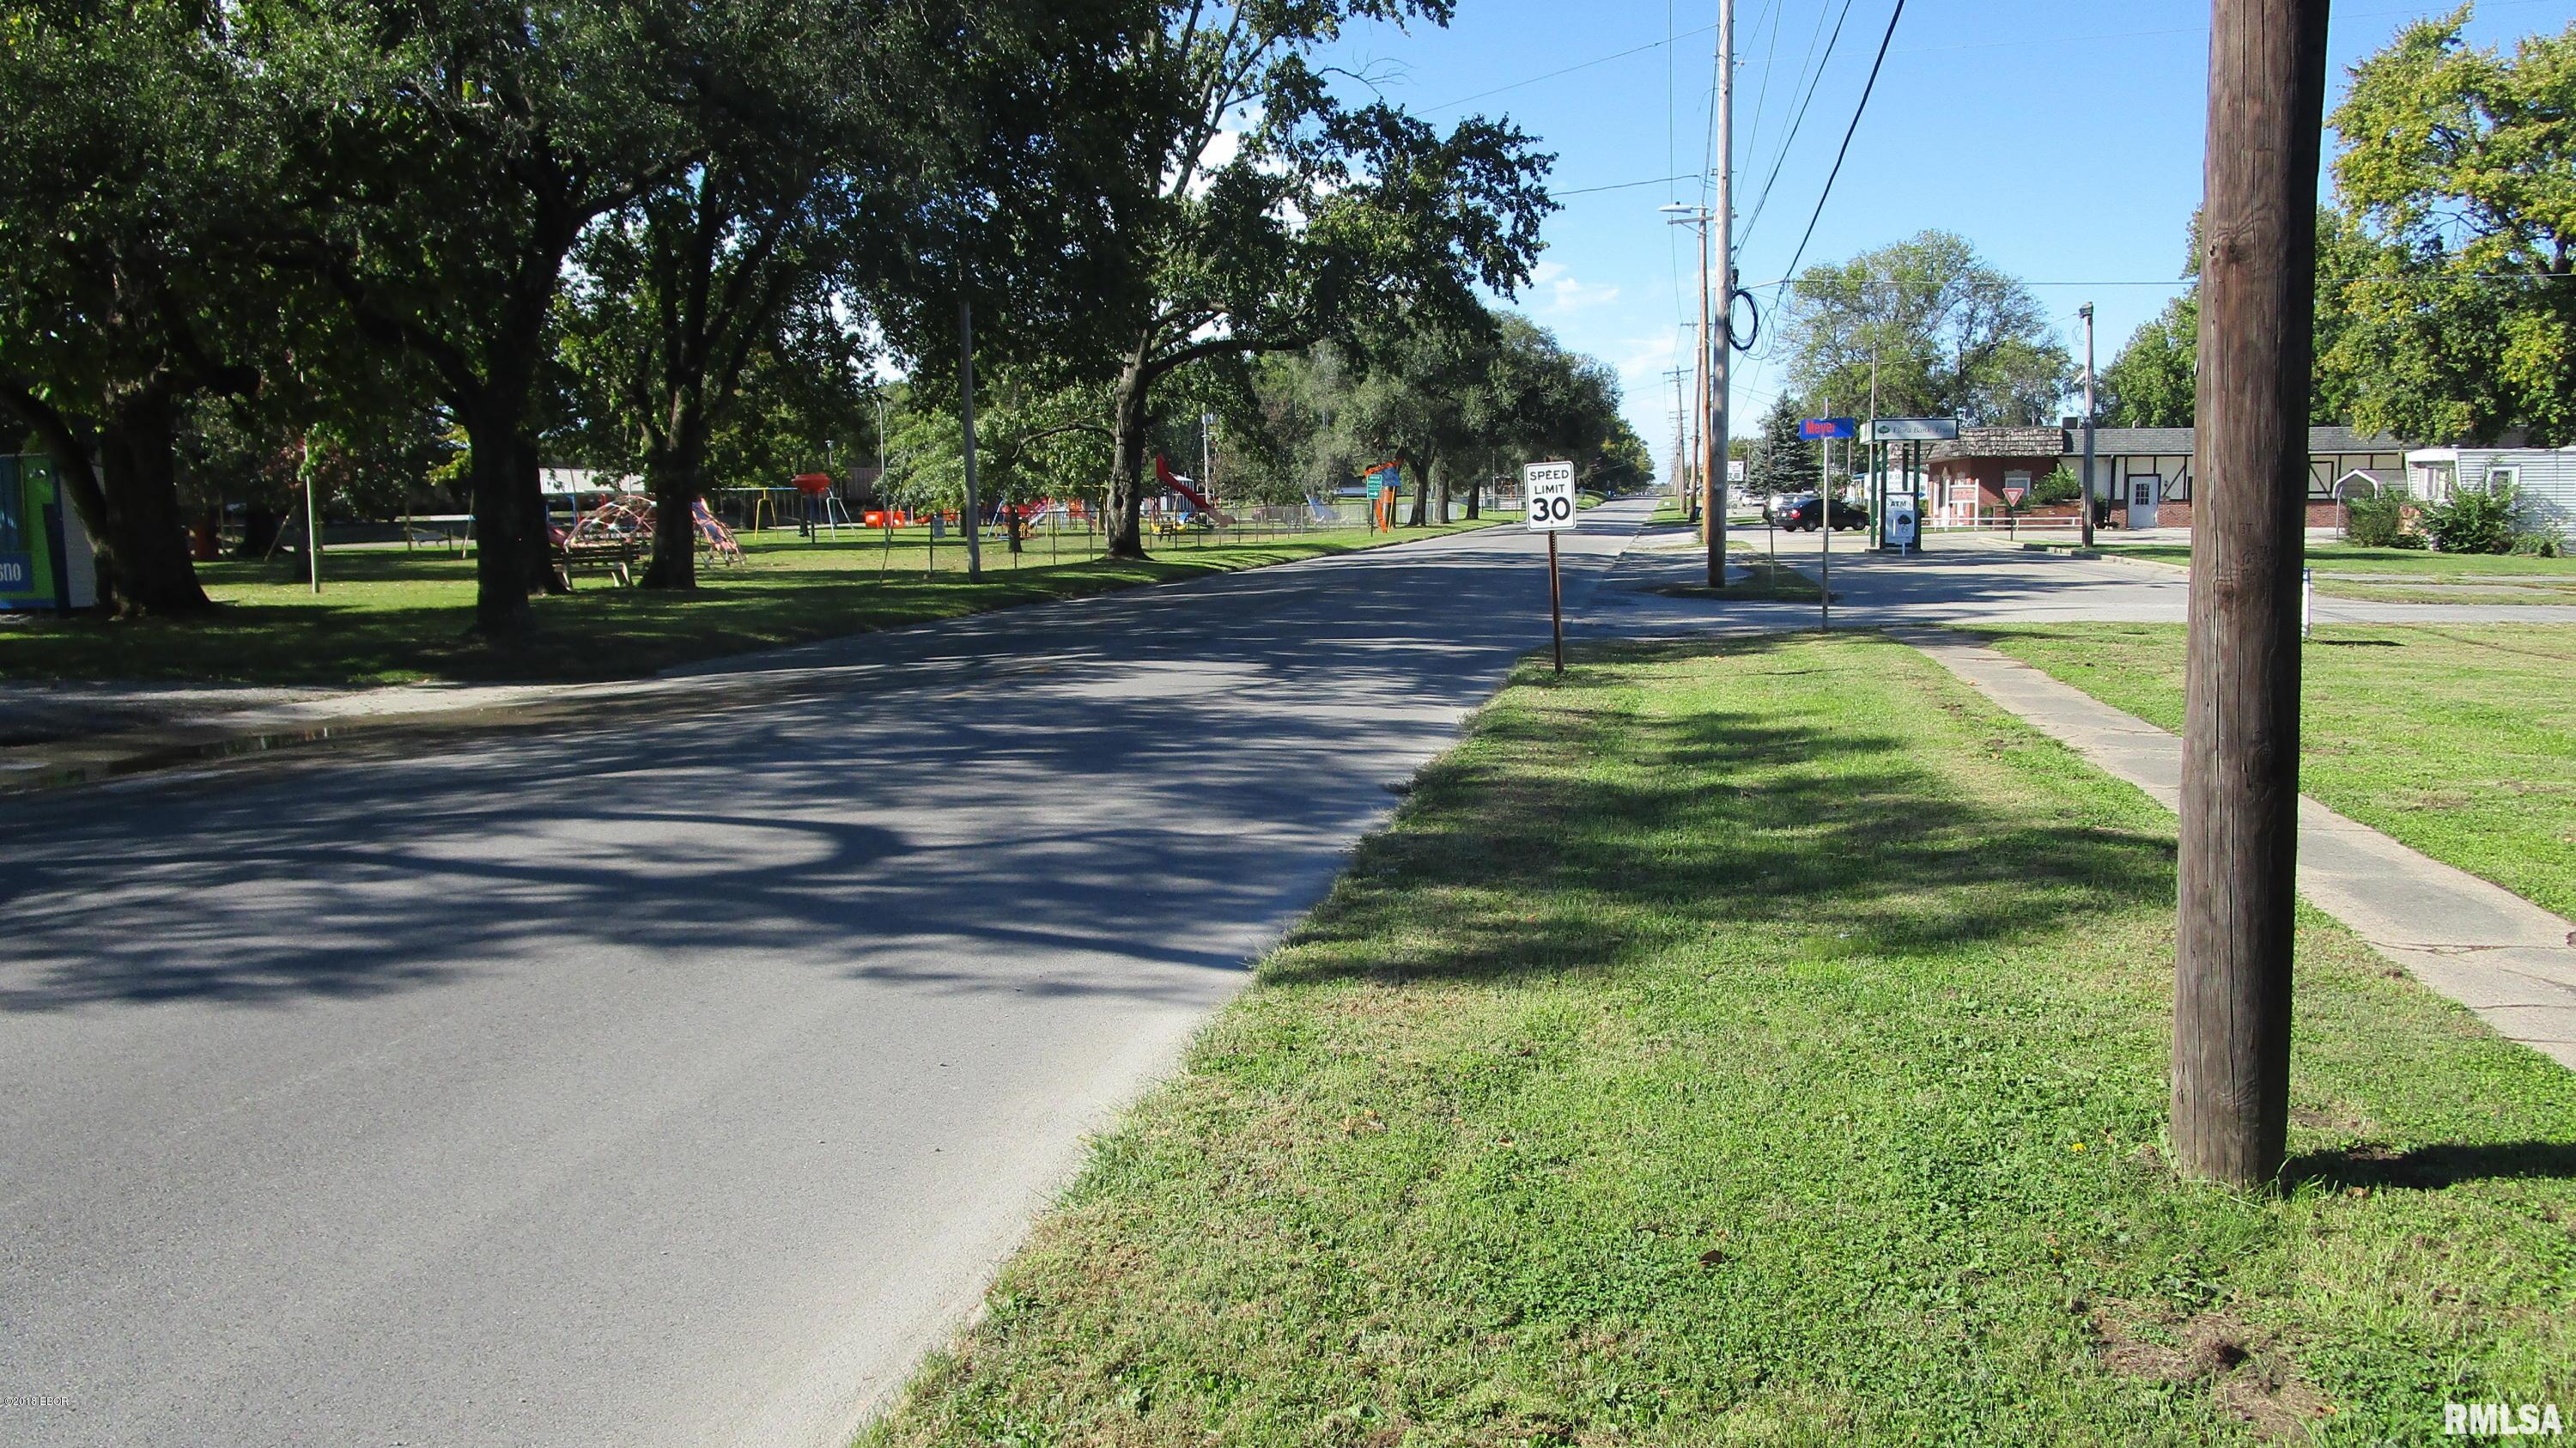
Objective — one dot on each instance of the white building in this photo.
(2546, 478)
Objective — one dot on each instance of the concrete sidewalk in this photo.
(2487, 948)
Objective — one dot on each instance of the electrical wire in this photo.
(1754, 218)
(1857, 112)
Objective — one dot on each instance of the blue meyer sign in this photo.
(1821, 427)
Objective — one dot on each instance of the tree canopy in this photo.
(2446, 276)
(1946, 334)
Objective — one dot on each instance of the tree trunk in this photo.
(1121, 519)
(1421, 489)
(500, 532)
(679, 480)
(142, 543)
(259, 530)
(1440, 488)
(537, 550)
(133, 527)
(1476, 500)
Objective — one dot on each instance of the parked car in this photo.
(1801, 516)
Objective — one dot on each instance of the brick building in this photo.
(2144, 472)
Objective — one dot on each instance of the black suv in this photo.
(1801, 515)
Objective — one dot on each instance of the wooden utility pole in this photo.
(1683, 492)
(1722, 222)
(2240, 771)
(1710, 517)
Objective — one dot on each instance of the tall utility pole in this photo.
(1724, 225)
(1705, 495)
(2086, 312)
(1699, 416)
(1683, 493)
(966, 417)
(2240, 763)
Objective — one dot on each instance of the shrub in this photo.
(2540, 541)
(2376, 520)
(2479, 521)
(2059, 486)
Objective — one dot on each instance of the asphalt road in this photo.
(672, 1075)
(1959, 579)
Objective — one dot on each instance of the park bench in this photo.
(613, 556)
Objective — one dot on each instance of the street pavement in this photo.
(1960, 578)
(672, 1072)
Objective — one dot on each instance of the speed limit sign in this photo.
(1550, 490)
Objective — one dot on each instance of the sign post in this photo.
(1550, 490)
(1824, 430)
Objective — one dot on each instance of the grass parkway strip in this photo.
(2404, 575)
(2457, 741)
(1767, 1041)
(396, 617)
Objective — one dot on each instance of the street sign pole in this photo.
(1555, 604)
(1825, 524)
(1824, 430)
(1549, 490)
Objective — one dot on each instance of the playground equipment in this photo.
(713, 536)
(1385, 488)
(618, 518)
(823, 506)
(629, 518)
(1196, 499)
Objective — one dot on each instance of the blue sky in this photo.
(2064, 140)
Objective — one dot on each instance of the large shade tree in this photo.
(2459, 165)
(1943, 332)
(1255, 212)
(830, 167)
(2149, 382)
(130, 160)
(451, 155)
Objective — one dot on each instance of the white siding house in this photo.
(2545, 476)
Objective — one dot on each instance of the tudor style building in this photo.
(2145, 472)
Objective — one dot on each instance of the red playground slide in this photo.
(1163, 471)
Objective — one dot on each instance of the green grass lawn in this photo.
(1767, 1042)
(2403, 575)
(390, 616)
(2460, 741)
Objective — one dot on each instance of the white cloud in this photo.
(1567, 293)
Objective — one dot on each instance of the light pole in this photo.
(966, 423)
(2086, 511)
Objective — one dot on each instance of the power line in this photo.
(1571, 69)
(1814, 82)
(1624, 185)
(1857, 112)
